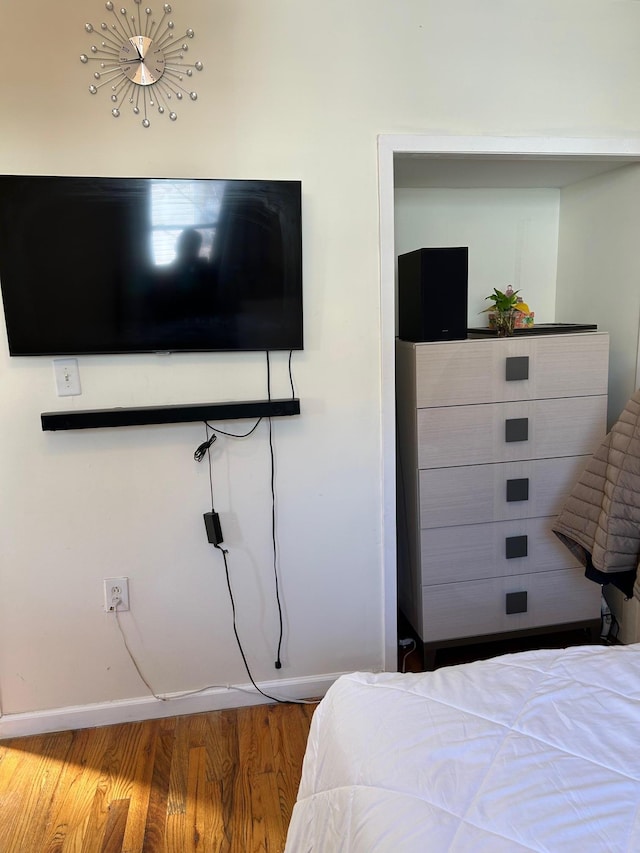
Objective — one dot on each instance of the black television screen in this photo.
(125, 265)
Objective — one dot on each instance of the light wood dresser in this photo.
(492, 434)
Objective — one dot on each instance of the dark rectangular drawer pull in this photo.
(518, 490)
(516, 429)
(515, 546)
(517, 368)
(516, 602)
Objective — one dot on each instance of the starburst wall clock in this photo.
(141, 61)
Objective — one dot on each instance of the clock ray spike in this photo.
(117, 39)
(111, 74)
(121, 84)
(184, 68)
(177, 66)
(188, 34)
(161, 93)
(175, 76)
(107, 43)
(161, 99)
(107, 53)
(145, 120)
(170, 40)
(148, 22)
(125, 92)
(177, 51)
(171, 46)
(162, 83)
(166, 90)
(174, 71)
(130, 22)
(166, 37)
(180, 88)
(112, 67)
(164, 15)
(99, 85)
(95, 58)
(118, 27)
(177, 70)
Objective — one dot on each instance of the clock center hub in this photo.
(141, 60)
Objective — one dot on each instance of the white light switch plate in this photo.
(67, 377)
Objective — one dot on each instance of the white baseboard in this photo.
(149, 708)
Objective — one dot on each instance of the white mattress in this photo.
(532, 751)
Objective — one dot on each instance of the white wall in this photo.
(512, 236)
(598, 273)
(290, 89)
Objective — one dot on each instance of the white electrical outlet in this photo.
(116, 594)
(67, 375)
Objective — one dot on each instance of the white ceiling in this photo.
(497, 171)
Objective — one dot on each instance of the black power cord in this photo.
(278, 661)
(204, 449)
(232, 434)
(293, 393)
(224, 553)
(201, 451)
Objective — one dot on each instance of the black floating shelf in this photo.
(95, 418)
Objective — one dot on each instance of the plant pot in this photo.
(503, 322)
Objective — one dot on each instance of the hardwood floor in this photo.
(221, 781)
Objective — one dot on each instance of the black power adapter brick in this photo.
(213, 528)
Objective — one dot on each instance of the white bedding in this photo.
(531, 751)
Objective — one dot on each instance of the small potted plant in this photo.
(506, 310)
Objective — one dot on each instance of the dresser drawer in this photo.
(505, 432)
(474, 608)
(474, 551)
(477, 494)
(488, 371)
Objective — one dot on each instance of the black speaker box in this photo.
(432, 294)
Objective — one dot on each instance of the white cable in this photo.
(406, 655)
(160, 698)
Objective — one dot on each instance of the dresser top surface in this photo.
(506, 339)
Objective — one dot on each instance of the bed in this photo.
(529, 751)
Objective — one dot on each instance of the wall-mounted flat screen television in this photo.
(127, 265)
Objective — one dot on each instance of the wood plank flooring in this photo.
(221, 781)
